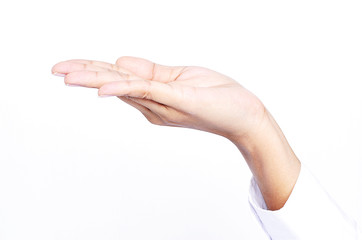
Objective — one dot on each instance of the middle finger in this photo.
(94, 79)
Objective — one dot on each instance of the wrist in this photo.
(271, 160)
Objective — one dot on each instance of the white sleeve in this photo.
(309, 213)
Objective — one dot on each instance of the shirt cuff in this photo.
(309, 213)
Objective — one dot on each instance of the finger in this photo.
(105, 65)
(93, 79)
(149, 70)
(156, 91)
(76, 65)
(149, 115)
(63, 68)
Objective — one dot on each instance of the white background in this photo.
(75, 166)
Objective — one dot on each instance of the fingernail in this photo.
(58, 74)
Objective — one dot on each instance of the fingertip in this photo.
(102, 91)
(105, 96)
(58, 74)
(57, 71)
(124, 60)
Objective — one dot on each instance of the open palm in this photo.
(192, 97)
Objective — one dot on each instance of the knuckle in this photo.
(122, 75)
(180, 71)
(84, 66)
(153, 72)
(115, 67)
(163, 111)
(172, 118)
(147, 90)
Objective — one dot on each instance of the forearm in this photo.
(271, 160)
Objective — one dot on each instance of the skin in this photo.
(202, 99)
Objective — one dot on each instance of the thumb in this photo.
(146, 89)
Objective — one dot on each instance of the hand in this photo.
(198, 98)
(192, 97)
